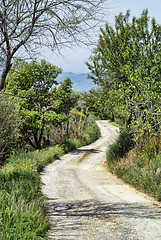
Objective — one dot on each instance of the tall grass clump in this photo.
(23, 206)
(119, 148)
(140, 166)
(147, 179)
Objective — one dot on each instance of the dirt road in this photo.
(88, 202)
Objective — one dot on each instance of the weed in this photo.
(119, 148)
(23, 206)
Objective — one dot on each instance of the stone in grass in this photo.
(158, 171)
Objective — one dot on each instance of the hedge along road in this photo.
(88, 202)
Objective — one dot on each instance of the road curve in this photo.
(85, 201)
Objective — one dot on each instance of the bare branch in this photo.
(48, 23)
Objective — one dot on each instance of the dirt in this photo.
(85, 201)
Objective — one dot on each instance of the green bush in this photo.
(22, 208)
(89, 134)
(135, 168)
(9, 128)
(119, 148)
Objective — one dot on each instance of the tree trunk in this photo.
(5, 72)
(31, 143)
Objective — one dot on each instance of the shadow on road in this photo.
(81, 151)
(97, 209)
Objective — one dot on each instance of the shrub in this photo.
(139, 167)
(22, 208)
(9, 128)
(89, 134)
(119, 148)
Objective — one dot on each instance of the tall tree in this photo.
(35, 85)
(28, 25)
(126, 64)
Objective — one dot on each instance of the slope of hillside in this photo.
(80, 81)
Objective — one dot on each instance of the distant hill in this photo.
(80, 81)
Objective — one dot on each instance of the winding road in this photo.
(85, 201)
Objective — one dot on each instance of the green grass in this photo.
(85, 155)
(135, 167)
(119, 148)
(23, 206)
(144, 180)
(114, 123)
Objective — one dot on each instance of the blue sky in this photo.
(73, 60)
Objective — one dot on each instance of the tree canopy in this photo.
(126, 64)
(41, 103)
(25, 26)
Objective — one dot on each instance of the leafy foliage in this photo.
(93, 103)
(9, 129)
(126, 65)
(41, 103)
(89, 133)
(22, 208)
(119, 148)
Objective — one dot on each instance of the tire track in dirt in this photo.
(85, 201)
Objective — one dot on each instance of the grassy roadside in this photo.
(140, 168)
(22, 208)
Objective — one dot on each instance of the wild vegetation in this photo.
(23, 206)
(36, 112)
(139, 167)
(41, 104)
(9, 129)
(43, 121)
(126, 66)
(40, 114)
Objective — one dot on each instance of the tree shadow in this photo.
(81, 151)
(72, 220)
(97, 209)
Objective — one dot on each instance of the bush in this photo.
(89, 134)
(22, 208)
(9, 128)
(119, 148)
(139, 178)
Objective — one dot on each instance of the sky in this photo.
(73, 59)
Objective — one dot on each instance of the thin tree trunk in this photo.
(32, 144)
(4, 73)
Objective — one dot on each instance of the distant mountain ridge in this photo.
(80, 81)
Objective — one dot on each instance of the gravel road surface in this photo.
(85, 201)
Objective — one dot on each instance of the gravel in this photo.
(86, 201)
